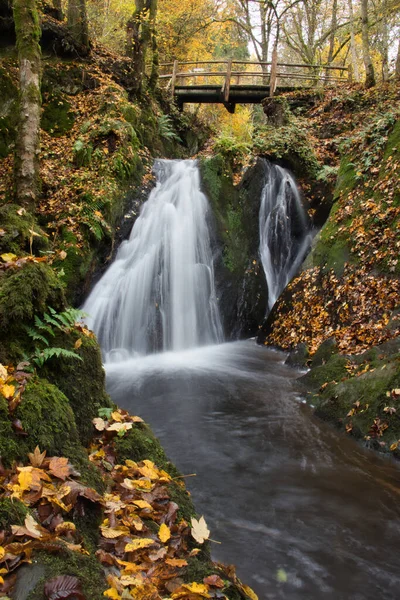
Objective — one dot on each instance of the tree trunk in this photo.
(77, 23)
(332, 35)
(397, 72)
(154, 47)
(385, 41)
(369, 67)
(354, 62)
(27, 31)
(140, 32)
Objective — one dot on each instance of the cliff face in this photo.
(343, 307)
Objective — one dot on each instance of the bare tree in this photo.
(27, 30)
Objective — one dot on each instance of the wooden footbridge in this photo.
(231, 82)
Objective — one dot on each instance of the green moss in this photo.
(18, 229)
(57, 117)
(82, 382)
(347, 177)
(331, 250)
(12, 512)
(8, 441)
(140, 443)
(86, 568)
(333, 370)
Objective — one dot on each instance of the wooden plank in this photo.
(173, 78)
(273, 79)
(227, 84)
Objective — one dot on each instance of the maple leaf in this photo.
(36, 457)
(60, 467)
(31, 528)
(199, 530)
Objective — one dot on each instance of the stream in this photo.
(302, 511)
(278, 488)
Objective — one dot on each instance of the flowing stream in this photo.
(302, 511)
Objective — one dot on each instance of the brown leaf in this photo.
(36, 457)
(63, 587)
(214, 581)
(59, 467)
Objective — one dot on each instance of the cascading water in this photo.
(285, 234)
(159, 292)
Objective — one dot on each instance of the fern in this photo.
(52, 320)
(41, 356)
(166, 128)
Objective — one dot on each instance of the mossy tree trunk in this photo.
(27, 30)
(77, 23)
(369, 68)
(398, 62)
(140, 33)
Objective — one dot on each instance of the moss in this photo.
(8, 441)
(82, 382)
(86, 568)
(24, 293)
(333, 370)
(57, 117)
(18, 231)
(140, 443)
(183, 499)
(12, 512)
(331, 250)
(347, 177)
(49, 422)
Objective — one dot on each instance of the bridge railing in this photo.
(227, 73)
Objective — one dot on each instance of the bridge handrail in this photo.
(318, 73)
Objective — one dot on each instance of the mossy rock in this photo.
(86, 568)
(82, 382)
(48, 422)
(333, 371)
(140, 443)
(24, 293)
(57, 117)
(18, 230)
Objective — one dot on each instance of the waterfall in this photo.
(159, 292)
(284, 228)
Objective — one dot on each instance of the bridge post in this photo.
(273, 76)
(227, 84)
(173, 78)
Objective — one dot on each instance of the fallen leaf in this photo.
(164, 533)
(199, 530)
(59, 467)
(63, 587)
(138, 544)
(36, 457)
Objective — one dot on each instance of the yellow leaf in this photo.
(194, 588)
(3, 372)
(9, 256)
(112, 593)
(116, 416)
(249, 592)
(2, 552)
(8, 391)
(142, 503)
(200, 531)
(24, 480)
(164, 533)
(111, 533)
(138, 543)
(78, 343)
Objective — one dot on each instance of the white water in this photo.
(284, 230)
(159, 292)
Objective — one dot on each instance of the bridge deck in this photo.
(248, 83)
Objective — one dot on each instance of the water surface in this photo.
(278, 488)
